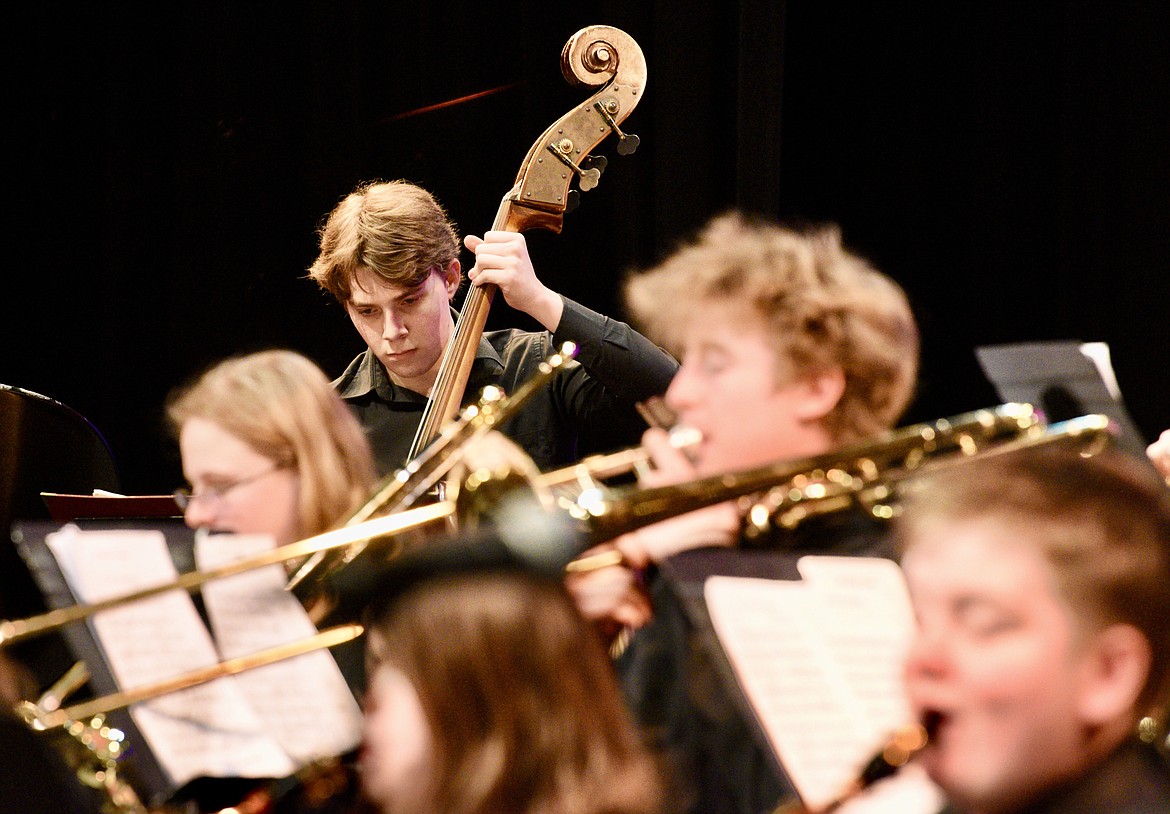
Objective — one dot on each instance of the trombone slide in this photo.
(49, 719)
(12, 631)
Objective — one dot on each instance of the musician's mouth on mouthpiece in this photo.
(932, 721)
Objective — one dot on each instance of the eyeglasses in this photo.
(185, 497)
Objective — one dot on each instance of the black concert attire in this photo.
(681, 687)
(588, 406)
(1135, 779)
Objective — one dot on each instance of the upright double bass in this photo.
(596, 56)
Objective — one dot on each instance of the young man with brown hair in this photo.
(390, 255)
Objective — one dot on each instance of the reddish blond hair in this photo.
(822, 306)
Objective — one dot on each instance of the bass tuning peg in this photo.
(627, 142)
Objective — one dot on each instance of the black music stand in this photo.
(1063, 379)
(139, 766)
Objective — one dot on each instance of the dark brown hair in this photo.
(521, 698)
(395, 229)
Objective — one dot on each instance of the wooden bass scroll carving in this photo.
(596, 56)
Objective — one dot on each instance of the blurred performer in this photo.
(790, 346)
(390, 256)
(269, 448)
(1041, 582)
(489, 693)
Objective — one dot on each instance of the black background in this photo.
(167, 167)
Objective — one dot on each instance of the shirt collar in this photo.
(367, 375)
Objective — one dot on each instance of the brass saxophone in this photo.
(91, 748)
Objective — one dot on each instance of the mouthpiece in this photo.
(897, 752)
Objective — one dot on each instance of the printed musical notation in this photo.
(266, 722)
(820, 662)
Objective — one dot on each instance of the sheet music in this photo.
(820, 661)
(210, 730)
(304, 702)
(1098, 354)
